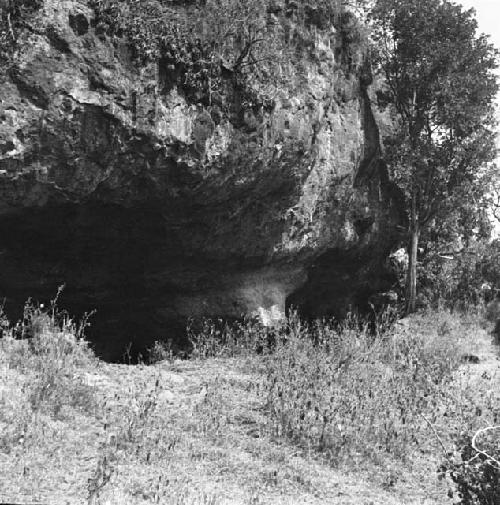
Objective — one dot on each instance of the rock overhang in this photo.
(140, 200)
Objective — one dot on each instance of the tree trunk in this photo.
(411, 278)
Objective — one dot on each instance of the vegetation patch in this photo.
(350, 395)
(51, 357)
(257, 415)
(14, 18)
(206, 48)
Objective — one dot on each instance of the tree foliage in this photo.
(441, 87)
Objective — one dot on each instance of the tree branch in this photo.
(244, 53)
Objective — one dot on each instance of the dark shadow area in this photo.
(120, 332)
(106, 256)
(142, 269)
(340, 282)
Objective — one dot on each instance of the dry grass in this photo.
(354, 397)
(50, 359)
(310, 414)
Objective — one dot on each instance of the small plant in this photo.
(211, 419)
(218, 338)
(14, 18)
(161, 351)
(4, 322)
(101, 476)
(137, 416)
(136, 429)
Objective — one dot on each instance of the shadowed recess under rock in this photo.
(128, 266)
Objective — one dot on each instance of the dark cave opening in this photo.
(130, 267)
(104, 255)
(340, 282)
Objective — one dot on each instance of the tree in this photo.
(441, 87)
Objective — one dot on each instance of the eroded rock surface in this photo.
(153, 208)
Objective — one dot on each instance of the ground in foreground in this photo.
(74, 429)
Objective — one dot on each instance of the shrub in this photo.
(14, 18)
(460, 278)
(218, 338)
(50, 354)
(195, 43)
(477, 474)
(349, 394)
(4, 323)
(160, 351)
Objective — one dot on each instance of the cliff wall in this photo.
(153, 205)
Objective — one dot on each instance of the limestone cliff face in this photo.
(152, 207)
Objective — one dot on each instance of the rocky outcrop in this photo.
(152, 207)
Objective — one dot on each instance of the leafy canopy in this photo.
(441, 88)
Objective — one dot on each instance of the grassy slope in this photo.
(195, 432)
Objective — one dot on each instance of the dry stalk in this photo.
(436, 434)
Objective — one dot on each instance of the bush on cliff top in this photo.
(199, 44)
(14, 17)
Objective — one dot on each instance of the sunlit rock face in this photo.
(152, 208)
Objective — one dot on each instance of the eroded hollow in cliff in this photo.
(107, 257)
(134, 269)
(341, 281)
(131, 268)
